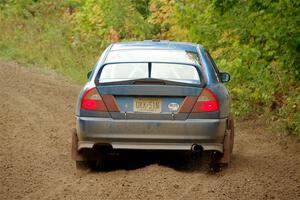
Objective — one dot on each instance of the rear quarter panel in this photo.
(217, 87)
(91, 81)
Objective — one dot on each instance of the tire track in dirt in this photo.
(36, 119)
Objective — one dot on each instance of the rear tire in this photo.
(215, 165)
(93, 160)
(100, 164)
(87, 159)
(83, 165)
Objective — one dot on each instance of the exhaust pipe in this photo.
(196, 148)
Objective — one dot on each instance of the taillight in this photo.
(91, 100)
(207, 102)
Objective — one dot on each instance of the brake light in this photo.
(207, 102)
(92, 100)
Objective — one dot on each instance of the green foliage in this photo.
(257, 42)
(106, 21)
(41, 38)
(142, 6)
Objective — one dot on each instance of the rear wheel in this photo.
(99, 164)
(215, 165)
(92, 160)
(84, 165)
(86, 159)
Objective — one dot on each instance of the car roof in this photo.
(155, 44)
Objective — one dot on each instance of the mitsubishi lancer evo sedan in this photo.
(153, 95)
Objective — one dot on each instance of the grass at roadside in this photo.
(37, 42)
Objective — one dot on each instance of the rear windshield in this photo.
(183, 73)
(153, 55)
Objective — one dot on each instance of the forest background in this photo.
(257, 42)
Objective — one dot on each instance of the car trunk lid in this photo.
(149, 101)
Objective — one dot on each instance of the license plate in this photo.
(143, 104)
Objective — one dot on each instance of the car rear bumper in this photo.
(152, 135)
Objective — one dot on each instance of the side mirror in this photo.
(225, 77)
(88, 74)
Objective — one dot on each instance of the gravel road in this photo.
(36, 119)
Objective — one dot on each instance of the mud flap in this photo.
(226, 148)
(228, 142)
(74, 152)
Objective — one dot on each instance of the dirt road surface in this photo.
(36, 119)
